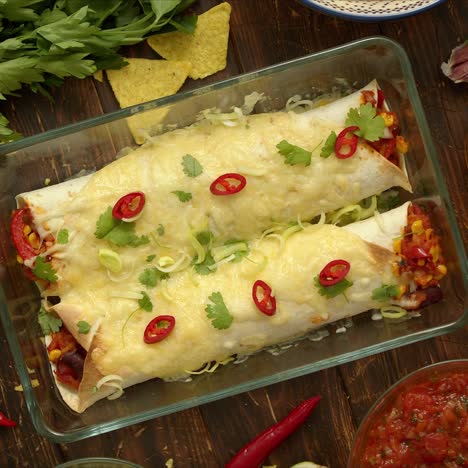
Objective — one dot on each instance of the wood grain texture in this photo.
(264, 33)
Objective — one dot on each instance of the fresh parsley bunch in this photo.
(44, 41)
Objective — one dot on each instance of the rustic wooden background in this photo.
(263, 33)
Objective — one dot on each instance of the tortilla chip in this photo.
(99, 76)
(206, 48)
(143, 80)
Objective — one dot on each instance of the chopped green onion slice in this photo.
(199, 249)
(110, 260)
(224, 251)
(393, 312)
(334, 217)
(166, 261)
(368, 212)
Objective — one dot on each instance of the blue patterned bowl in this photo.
(371, 10)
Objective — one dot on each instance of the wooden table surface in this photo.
(263, 33)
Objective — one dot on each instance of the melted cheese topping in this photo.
(300, 308)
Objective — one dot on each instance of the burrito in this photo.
(296, 281)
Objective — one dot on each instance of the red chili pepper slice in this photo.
(129, 206)
(380, 99)
(254, 453)
(228, 184)
(159, 328)
(261, 295)
(20, 219)
(4, 421)
(334, 272)
(343, 141)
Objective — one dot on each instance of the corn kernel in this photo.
(442, 269)
(19, 259)
(429, 234)
(401, 144)
(421, 262)
(417, 227)
(54, 355)
(33, 240)
(388, 118)
(401, 291)
(26, 229)
(397, 246)
(435, 252)
(396, 269)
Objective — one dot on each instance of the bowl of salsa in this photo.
(420, 421)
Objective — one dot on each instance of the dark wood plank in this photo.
(262, 34)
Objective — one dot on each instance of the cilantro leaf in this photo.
(160, 230)
(204, 237)
(192, 168)
(145, 302)
(62, 236)
(182, 196)
(150, 277)
(150, 258)
(83, 327)
(329, 146)
(118, 232)
(202, 268)
(44, 270)
(332, 291)
(48, 321)
(219, 314)
(105, 223)
(294, 154)
(371, 126)
(385, 292)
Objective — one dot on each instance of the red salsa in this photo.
(427, 426)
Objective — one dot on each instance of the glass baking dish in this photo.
(91, 144)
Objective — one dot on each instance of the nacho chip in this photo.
(206, 48)
(143, 80)
(99, 76)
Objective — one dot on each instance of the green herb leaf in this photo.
(219, 314)
(62, 236)
(150, 258)
(150, 277)
(83, 327)
(160, 230)
(49, 322)
(182, 196)
(294, 154)
(118, 232)
(44, 270)
(105, 223)
(329, 146)
(385, 292)
(192, 168)
(202, 268)
(145, 302)
(204, 237)
(332, 291)
(371, 126)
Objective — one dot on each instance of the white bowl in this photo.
(371, 10)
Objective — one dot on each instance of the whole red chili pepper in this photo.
(4, 421)
(129, 206)
(343, 140)
(159, 328)
(333, 272)
(21, 219)
(223, 184)
(253, 454)
(261, 295)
